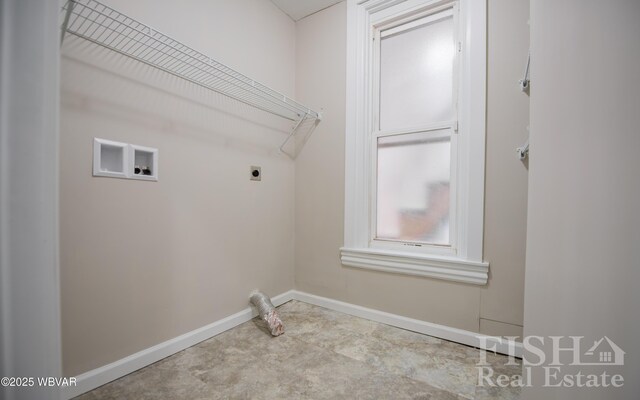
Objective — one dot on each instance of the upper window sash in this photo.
(394, 25)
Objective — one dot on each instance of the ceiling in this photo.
(298, 9)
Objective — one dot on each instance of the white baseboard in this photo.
(491, 343)
(117, 369)
(105, 374)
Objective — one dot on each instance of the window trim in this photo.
(466, 264)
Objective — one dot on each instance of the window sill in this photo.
(446, 268)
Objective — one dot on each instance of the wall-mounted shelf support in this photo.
(523, 151)
(104, 26)
(525, 81)
(293, 131)
(65, 22)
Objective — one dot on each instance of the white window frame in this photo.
(463, 260)
(447, 129)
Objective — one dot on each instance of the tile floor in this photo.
(323, 355)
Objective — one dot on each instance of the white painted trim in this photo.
(449, 268)
(501, 345)
(362, 15)
(357, 120)
(117, 369)
(30, 344)
(472, 110)
(95, 378)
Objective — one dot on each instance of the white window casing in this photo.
(461, 260)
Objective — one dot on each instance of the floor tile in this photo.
(322, 355)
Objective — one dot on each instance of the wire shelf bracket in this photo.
(106, 27)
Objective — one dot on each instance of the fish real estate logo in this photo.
(567, 353)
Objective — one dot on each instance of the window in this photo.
(413, 129)
(605, 356)
(415, 138)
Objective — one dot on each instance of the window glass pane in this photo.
(416, 75)
(413, 187)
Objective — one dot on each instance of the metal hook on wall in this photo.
(524, 82)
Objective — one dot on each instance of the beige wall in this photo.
(505, 219)
(320, 82)
(143, 262)
(583, 234)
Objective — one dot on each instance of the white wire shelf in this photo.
(104, 26)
